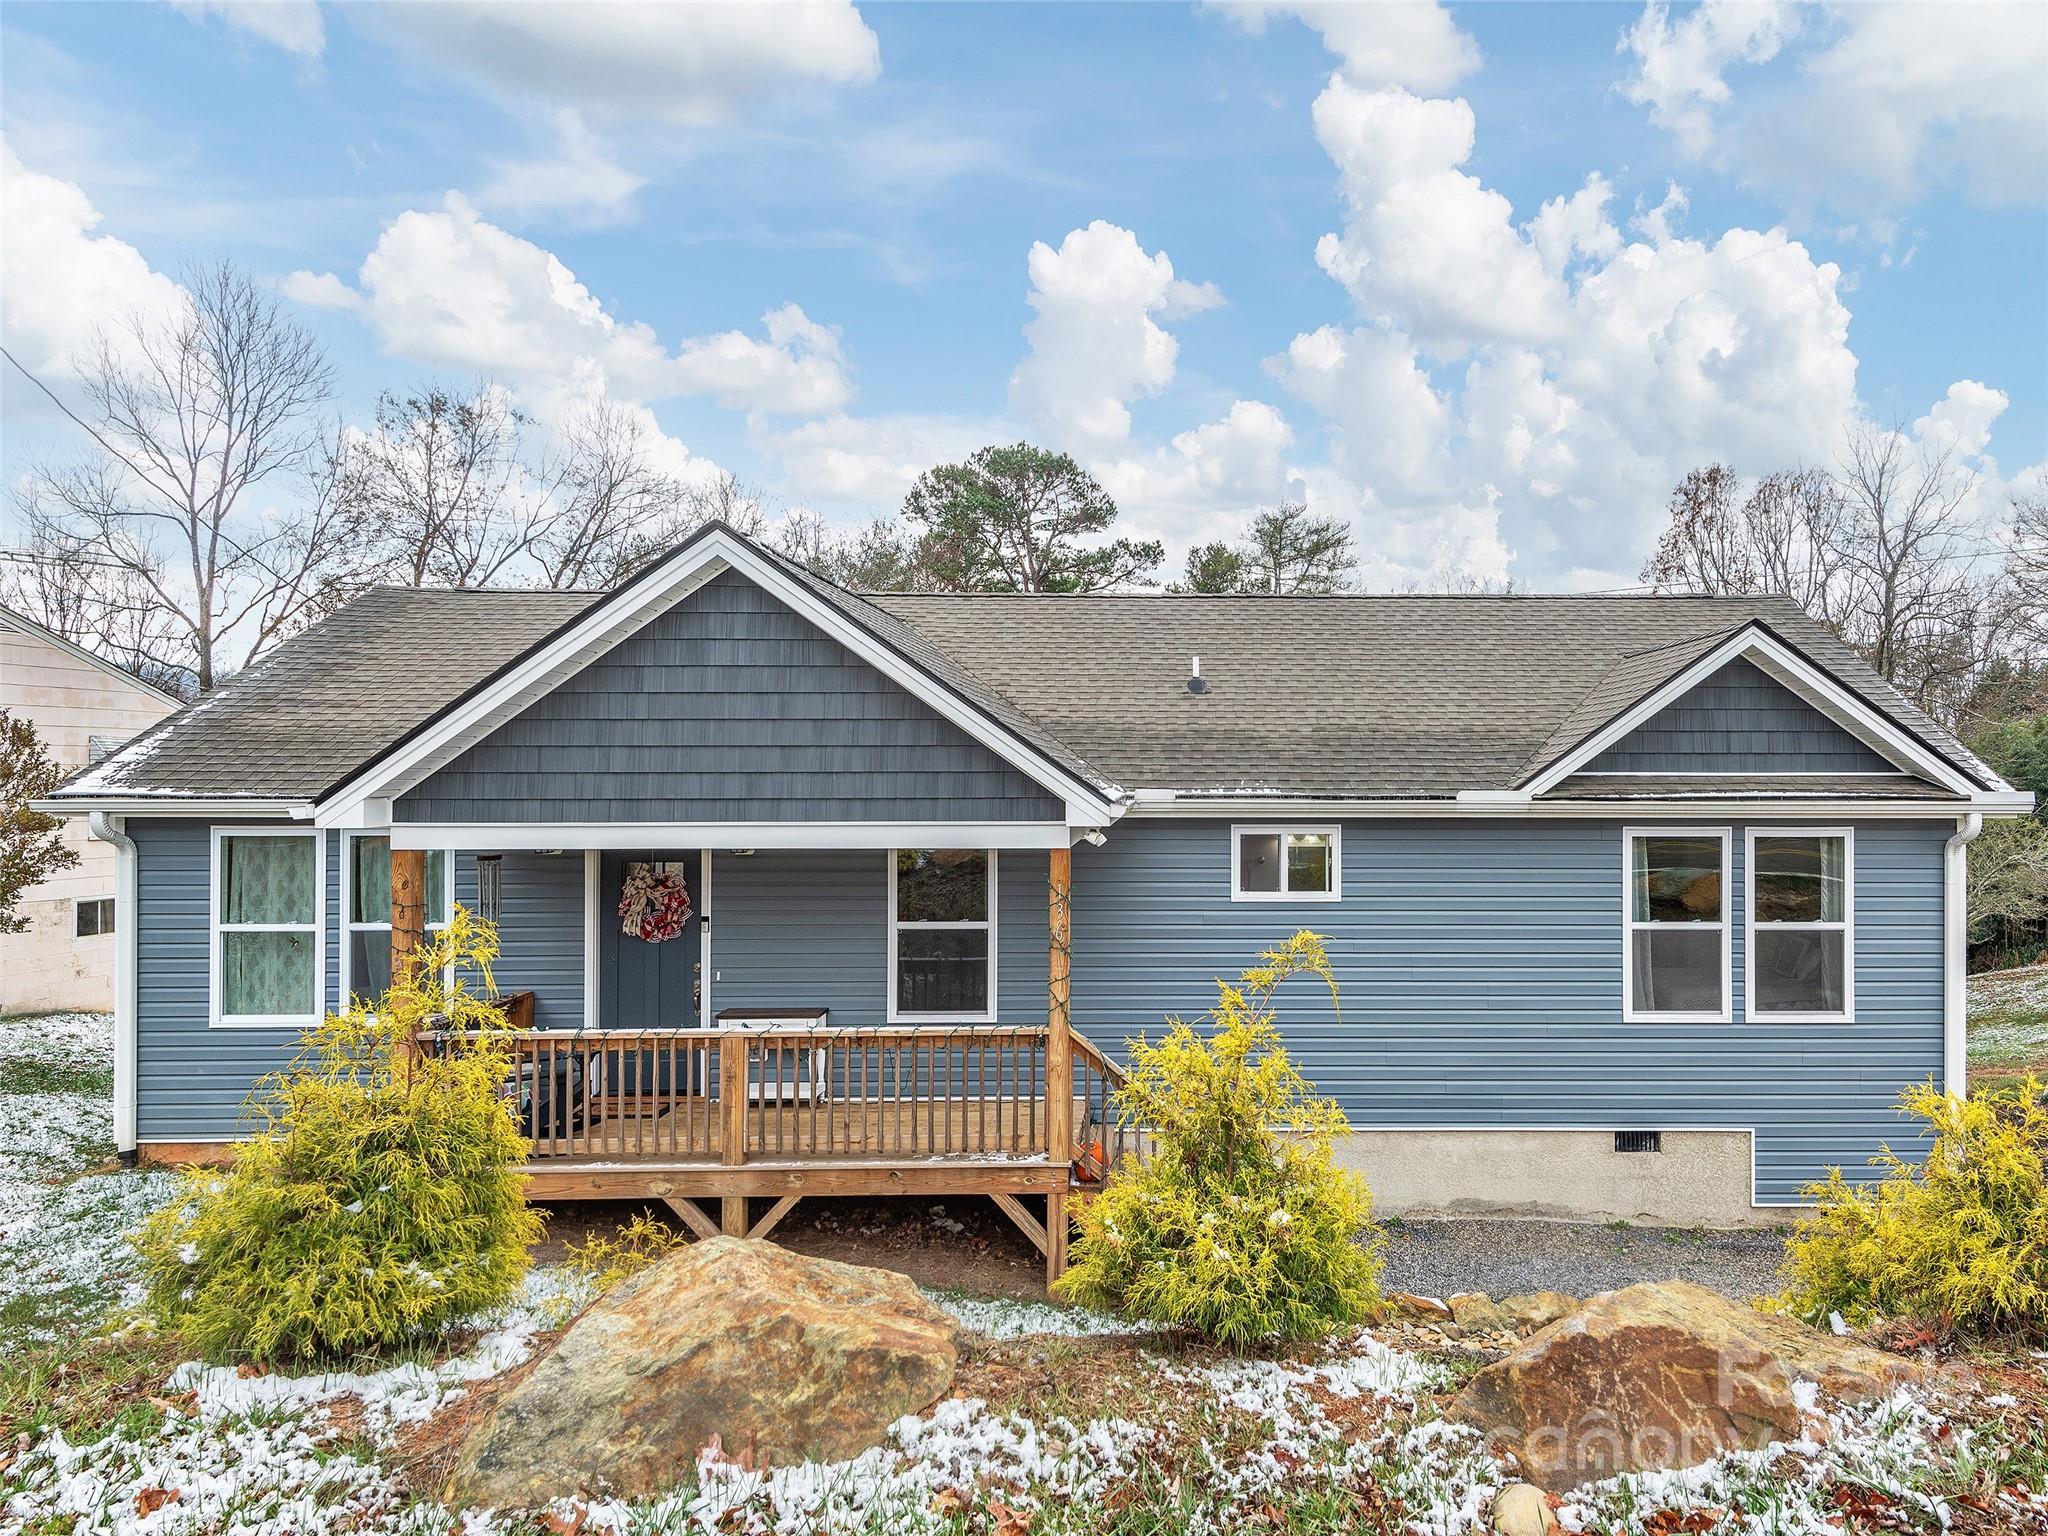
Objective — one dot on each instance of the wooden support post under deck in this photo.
(732, 1107)
(1059, 1054)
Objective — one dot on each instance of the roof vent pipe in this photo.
(1196, 682)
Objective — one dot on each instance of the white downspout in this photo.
(1955, 955)
(107, 829)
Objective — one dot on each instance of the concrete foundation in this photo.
(1698, 1179)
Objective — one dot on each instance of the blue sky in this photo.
(1222, 254)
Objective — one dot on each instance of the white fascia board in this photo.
(520, 837)
(1839, 704)
(591, 636)
(210, 807)
(1768, 807)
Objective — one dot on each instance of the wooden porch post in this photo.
(408, 911)
(1059, 1055)
(733, 1071)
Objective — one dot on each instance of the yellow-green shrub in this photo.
(377, 1195)
(1239, 1227)
(1962, 1237)
(601, 1261)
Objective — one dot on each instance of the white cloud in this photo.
(1390, 427)
(1885, 101)
(1425, 246)
(1412, 43)
(870, 462)
(1680, 64)
(579, 177)
(449, 289)
(1205, 482)
(60, 282)
(638, 61)
(293, 25)
(1961, 420)
(1094, 344)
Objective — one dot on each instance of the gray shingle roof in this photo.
(1355, 697)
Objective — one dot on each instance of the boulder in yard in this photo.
(1476, 1313)
(781, 1358)
(1536, 1309)
(1660, 1376)
(1407, 1307)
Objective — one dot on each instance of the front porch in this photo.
(753, 1102)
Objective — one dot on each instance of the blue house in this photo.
(1640, 907)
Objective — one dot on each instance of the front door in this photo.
(642, 984)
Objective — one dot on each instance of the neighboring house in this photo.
(1597, 874)
(83, 708)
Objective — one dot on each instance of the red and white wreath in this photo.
(655, 903)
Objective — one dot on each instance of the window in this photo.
(266, 927)
(1801, 960)
(1285, 864)
(366, 946)
(942, 935)
(91, 918)
(1674, 956)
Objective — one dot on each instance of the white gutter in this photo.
(1486, 805)
(1955, 956)
(170, 805)
(107, 829)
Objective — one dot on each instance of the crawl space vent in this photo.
(1639, 1141)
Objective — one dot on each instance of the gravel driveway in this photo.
(1437, 1258)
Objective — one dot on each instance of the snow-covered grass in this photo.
(1350, 1437)
(2008, 1024)
(61, 1224)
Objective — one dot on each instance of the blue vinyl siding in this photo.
(1739, 721)
(728, 707)
(1479, 964)
(1479, 967)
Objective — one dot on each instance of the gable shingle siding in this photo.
(1739, 721)
(728, 707)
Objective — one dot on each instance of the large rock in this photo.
(1657, 1376)
(780, 1357)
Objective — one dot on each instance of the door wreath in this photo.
(654, 903)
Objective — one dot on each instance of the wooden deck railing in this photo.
(738, 1095)
(1102, 1140)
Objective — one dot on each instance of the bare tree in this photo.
(879, 557)
(443, 480)
(611, 511)
(1786, 536)
(91, 601)
(193, 415)
(2030, 560)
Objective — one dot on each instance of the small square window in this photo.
(1285, 864)
(92, 918)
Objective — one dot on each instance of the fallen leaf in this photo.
(149, 1500)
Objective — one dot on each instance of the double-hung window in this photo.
(1675, 939)
(942, 936)
(267, 912)
(366, 947)
(1801, 959)
(1285, 864)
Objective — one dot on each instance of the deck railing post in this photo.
(733, 1072)
(1059, 1059)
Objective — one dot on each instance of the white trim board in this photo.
(1498, 805)
(534, 837)
(1779, 662)
(612, 620)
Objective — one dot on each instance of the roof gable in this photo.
(1738, 720)
(727, 706)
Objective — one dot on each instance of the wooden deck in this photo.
(742, 1112)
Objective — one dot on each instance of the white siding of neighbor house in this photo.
(69, 701)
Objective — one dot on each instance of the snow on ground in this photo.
(261, 1454)
(61, 1227)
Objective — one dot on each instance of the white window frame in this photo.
(1630, 1014)
(1334, 832)
(79, 902)
(989, 1015)
(215, 1018)
(1847, 926)
(346, 888)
